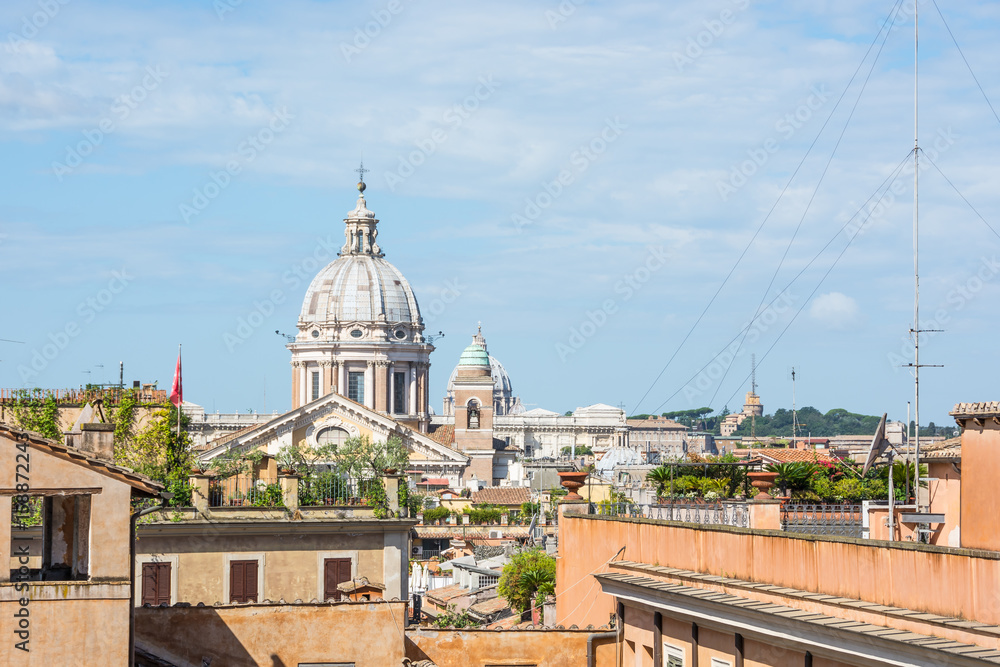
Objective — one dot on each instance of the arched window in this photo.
(473, 413)
(332, 436)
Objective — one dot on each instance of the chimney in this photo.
(98, 440)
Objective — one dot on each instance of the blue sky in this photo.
(171, 168)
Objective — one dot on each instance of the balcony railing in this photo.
(843, 520)
(718, 513)
(241, 491)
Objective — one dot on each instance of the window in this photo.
(400, 334)
(64, 523)
(155, 583)
(335, 571)
(356, 386)
(399, 392)
(315, 385)
(716, 662)
(357, 333)
(332, 436)
(243, 581)
(672, 656)
(473, 415)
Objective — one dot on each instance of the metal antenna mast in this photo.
(794, 415)
(753, 390)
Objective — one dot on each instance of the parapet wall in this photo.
(960, 583)
(476, 647)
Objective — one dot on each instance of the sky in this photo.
(618, 191)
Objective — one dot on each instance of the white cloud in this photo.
(835, 310)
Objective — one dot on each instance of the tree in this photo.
(661, 477)
(581, 450)
(363, 459)
(158, 451)
(527, 572)
(40, 415)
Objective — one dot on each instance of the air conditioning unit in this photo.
(417, 551)
(496, 534)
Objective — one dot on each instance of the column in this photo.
(341, 378)
(331, 377)
(304, 383)
(412, 376)
(369, 382)
(392, 388)
(381, 366)
(295, 384)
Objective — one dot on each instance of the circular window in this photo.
(357, 333)
(315, 333)
(400, 333)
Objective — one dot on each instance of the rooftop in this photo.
(502, 495)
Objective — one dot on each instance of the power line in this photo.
(673, 356)
(809, 204)
(964, 59)
(887, 182)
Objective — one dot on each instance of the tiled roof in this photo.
(792, 455)
(987, 409)
(470, 532)
(443, 434)
(502, 495)
(85, 459)
(659, 422)
(434, 481)
(443, 595)
(947, 449)
(490, 607)
(731, 599)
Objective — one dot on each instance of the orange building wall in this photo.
(980, 472)
(67, 632)
(476, 648)
(966, 583)
(367, 634)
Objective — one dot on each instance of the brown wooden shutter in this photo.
(236, 578)
(162, 583)
(250, 583)
(335, 571)
(149, 583)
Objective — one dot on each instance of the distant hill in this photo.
(811, 422)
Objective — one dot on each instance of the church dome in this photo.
(474, 355)
(360, 285)
(359, 288)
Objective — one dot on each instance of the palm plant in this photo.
(661, 477)
(793, 476)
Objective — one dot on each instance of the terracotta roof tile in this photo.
(502, 495)
(489, 607)
(443, 434)
(986, 409)
(792, 455)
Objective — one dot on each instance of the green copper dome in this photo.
(474, 355)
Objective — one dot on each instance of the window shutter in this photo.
(163, 583)
(149, 583)
(250, 583)
(236, 578)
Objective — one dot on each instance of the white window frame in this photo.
(156, 558)
(671, 651)
(230, 557)
(719, 662)
(320, 565)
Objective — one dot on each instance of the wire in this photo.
(959, 192)
(974, 78)
(805, 212)
(888, 180)
(767, 217)
(815, 289)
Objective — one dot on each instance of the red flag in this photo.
(177, 392)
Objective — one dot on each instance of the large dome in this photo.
(356, 288)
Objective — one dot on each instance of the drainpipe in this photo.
(591, 655)
(131, 572)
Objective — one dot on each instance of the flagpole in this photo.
(179, 400)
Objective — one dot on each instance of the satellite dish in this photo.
(879, 445)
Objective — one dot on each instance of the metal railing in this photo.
(842, 520)
(718, 513)
(240, 491)
(329, 489)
